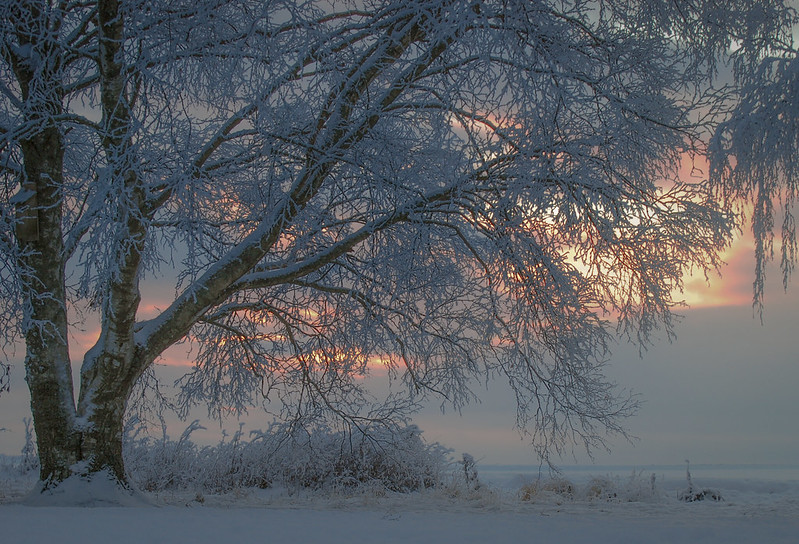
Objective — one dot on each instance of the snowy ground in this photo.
(755, 510)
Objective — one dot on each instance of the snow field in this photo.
(413, 519)
(404, 491)
(754, 511)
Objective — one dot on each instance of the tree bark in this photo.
(47, 364)
(111, 368)
(102, 411)
(39, 236)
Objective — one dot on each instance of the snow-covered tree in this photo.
(451, 189)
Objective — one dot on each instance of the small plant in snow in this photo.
(470, 471)
(692, 494)
(635, 488)
(29, 461)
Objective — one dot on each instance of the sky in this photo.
(723, 392)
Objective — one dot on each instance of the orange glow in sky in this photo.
(733, 288)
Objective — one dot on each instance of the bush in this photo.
(395, 459)
(636, 488)
(547, 488)
(692, 494)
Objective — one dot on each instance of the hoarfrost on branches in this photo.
(754, 154)
(451, 190)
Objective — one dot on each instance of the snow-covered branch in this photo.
(453, 190)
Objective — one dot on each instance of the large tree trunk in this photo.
(47, 364)
(39, 235)
(69, 443)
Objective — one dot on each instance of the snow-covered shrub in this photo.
(553, 487)
(639, 488)
(602, 489)
(18, 473)
(460, 483)
(27, 463)
(470, 472)
(396, 459)
(635, 488)
(691, 494)
(14, 484)
(158, 464)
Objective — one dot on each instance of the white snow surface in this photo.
(754, 511)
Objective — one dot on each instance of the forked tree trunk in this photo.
(87, 439)
(93, 446)
(69, 441)
(87, 442)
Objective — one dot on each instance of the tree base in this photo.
(96, 489)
